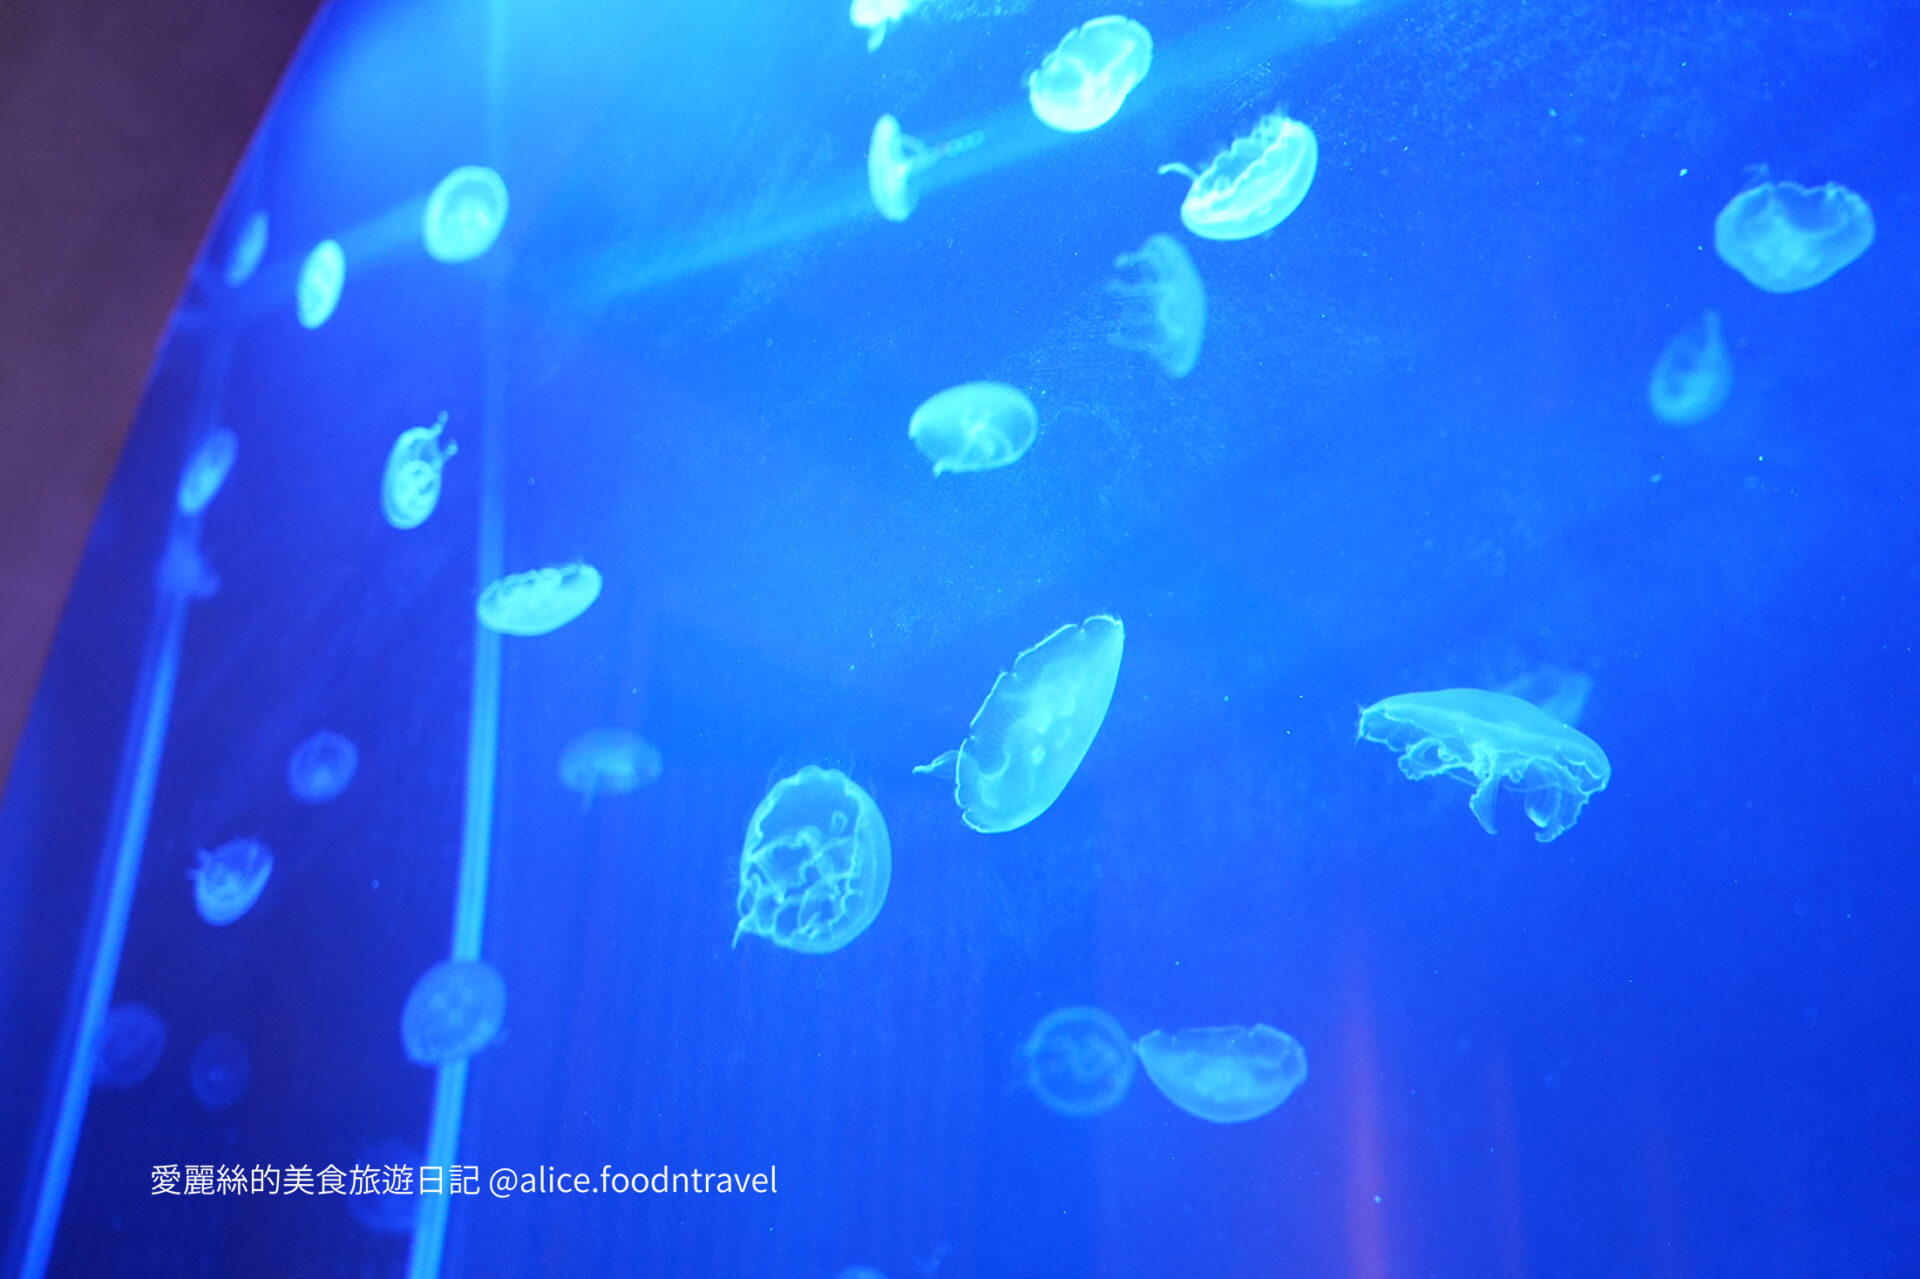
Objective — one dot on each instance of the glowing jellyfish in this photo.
(1785, 237)
(1253, 185)
(816, 863)
(464, 214)
(975, 426)
(1693, 375)
(322, 276)
(1081, 84)
(1489, 740)
(411, 487)
(875, 16)
(229, 880)
(249, 247)
(1033, 730)
(1224, 1074)
(1561, 694)
(131, 1041)
(220, 1071)
(897, 161)
(609, 761)
(321, 766)
(1078, 1062)
(453, 1011)
(206, 471)
(540, 600)
(1171, 319)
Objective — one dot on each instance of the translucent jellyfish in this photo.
(321, 766)
(453, 1011)
(220, 1071)
(131, 1041)
(249, 247)
(1035, 726)
(1785, 237)
(1225, 1074)
(411, 487)
(1253, 185)
(1561, 694)
(609, 761)
(184, 571)
(1078, 1062)
(206, 471)
(975, 426)
(464, 214)
(229, 880)
(1081, 84)
(322, 276)
(876, 16)
(1489, 740)
(540, 600)
(897, 161)
(816, 863)
(1172, 318)
(1693, 375)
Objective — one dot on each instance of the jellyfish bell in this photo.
(322, 276)
(249, 247)
(976, 426)
(875, 17)
(464, 215)
(132, 1038)
(539, 600)
(321, 767)
(1784, 237)
(896, 161)
(1252, 186)
(1169, 316)
(1693, 376)
(1078, 1062)
(410, 489)
(206, 471)
(228, 880)
(455, 1009)
(1224, 1074)
(610, 761)
(1083, 82)
(816, 863)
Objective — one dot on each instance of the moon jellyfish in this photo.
(816, 863)
(131, 1041)
(612, 761)
(1035, 726)
(321, 766)
(464, 215)
(411, 487)
(975, 426)
(220, 1071)
(875, 16)
(540, 600)
(1253, 185)
(206, 471)
(453, 1011)
(897, 161)
(1489, 740)
(1693, 375)
(1785, 237)
(1078, 1062)
(249, 247)
(1172, 321)
(1224, 1074)
(229, 880)
(1561, 694)
(322, 276)
(1081, 84)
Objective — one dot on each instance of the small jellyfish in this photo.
(321, 766)
(1224, 1074)
(229, 880)
(1785, 237)
(1561, 694)
(975, 426)
(131, 1041)
(1081, 84)
(249, 247)
(184, 571)
(816, 863)
(453, 1011)
(1035, 727)
(1078, 1062)
(322, 276)
(464, 215)
(1693, 375)
(876, 16)
(540, 600)
(206, 470)
(609, 761)
(897, 161)
(1173, 320)
(220, 1071)
(1253, 185)
(411, 487)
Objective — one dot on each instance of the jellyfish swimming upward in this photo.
(322, 276)
(410, 489)
(1078, 1062)
(464, 215)
(816, 863)
(1693, 376)
(608, 761)
(1252, 186)
(976, 426)
(229, 880)
(453, 1011)
(1081, 84)
(1224, 1074)
(1168, 319)
(1785, 237)
(540, 600)
(897, 162)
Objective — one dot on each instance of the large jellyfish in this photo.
(540, 600)
(131, 1041)
(229, 880)
(1785, 237)
(1225, 1074)
(897, 161)
(1693, 375)
(816, 863)
(206, 470)
(875, 16)
(453, 1011)
(975, 426)
(249, 247)
(608, 761)
(1489, 740)
(1171, 316)
(322, 276)
(1081, 84)
(1253, 185)
(220, 1070)
(1078, 1062)
(464, 214)
(411, 487)
(321, 766)
(1033, 730)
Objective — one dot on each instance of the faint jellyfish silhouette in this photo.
(410, 488)
(976, 426)
(1560, 693)
(322, 276)
(321, 766)
(391, 1209)
(876, 16)
(184, 571)
(1173, 320)
(816, 863)
(229, 880)
(453, 1011)
(1035, 727)
(206, 471)
(1693, 376)
(1489, 740)
(1785, 237)
(220, 1071)
(1081, 84)
(249, 247)
(1224, 1074)
(540, 600)
(464, 215)
(897, 161)
(131, 1040)
(611, 761)
(1078, 1062)
(1253, 185)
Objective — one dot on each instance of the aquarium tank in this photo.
(978, 639)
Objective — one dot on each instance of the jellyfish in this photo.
(321, 766)
(1224, 1074)
(220, 1071)
(249, 247)
(896, 162)
(322, 276)
(1173, 320)
(1693, 375)
(1785, 237)
(1033, 730)
(453, 1011)
(464, 214)
(1253, 185)
(184, 571)
(608, 760)
(206, 470)
(1078, 1062)
(816, 863)
(1561, 694)
(411, 487)
(540, 600)
(1489, 740)
(229, 880)
(976, 426)
(1081, 84)
(131, 1040)
(875, 16)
